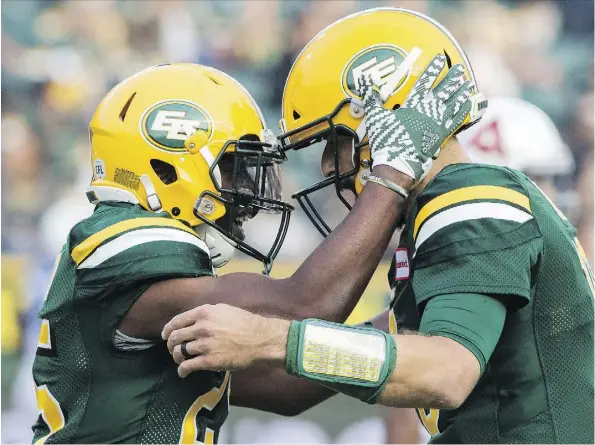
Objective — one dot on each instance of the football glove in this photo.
(408, 138)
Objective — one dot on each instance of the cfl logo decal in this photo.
(166, 125)
(379, 62)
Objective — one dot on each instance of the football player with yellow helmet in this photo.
(181, 159)
(492, 298)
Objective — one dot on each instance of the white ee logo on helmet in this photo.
(174, 124)
(378, 71)
(386, 64)
(166, 125)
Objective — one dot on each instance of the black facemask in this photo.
(254, 186)
(341, 181)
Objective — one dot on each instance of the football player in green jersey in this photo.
(181, 158)
(492, 298)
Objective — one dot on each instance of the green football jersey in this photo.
(90, 390)
(490, 230)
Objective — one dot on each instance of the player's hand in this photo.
(224, 338)
(410, 137)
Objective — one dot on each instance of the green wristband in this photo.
(291, 354)
(356, 361)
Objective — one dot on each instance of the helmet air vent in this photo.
(166, 172)
(448, 61)
(126, 106)
(214, 80)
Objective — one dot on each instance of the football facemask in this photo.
(342, 179)
(247, 176)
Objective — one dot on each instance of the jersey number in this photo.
(48, 406)
(50, 411)
(429, 419)
(206, 401)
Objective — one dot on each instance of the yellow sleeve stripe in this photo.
(84, 249)
(468, 194)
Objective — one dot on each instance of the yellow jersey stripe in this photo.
(137, 237)
(84, 249)
(468, 194)
(467, 212)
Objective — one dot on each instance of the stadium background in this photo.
(60, 57)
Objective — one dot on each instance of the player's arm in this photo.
(269, 388)
(437, 368)
(327, 285)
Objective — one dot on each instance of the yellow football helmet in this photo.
(162, 138)
(320, 100)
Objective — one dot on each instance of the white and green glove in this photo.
(408, 138)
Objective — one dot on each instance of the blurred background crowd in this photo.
(60, 57)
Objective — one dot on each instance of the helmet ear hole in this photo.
(396, 106)
(296, 115)
(164, 171)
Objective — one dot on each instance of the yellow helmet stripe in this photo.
(84, 249)
(468, 194)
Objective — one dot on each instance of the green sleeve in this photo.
(473, 320)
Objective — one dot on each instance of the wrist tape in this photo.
(356, 361)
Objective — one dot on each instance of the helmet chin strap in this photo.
(221, 248)
(152, 199)
(97, 194)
